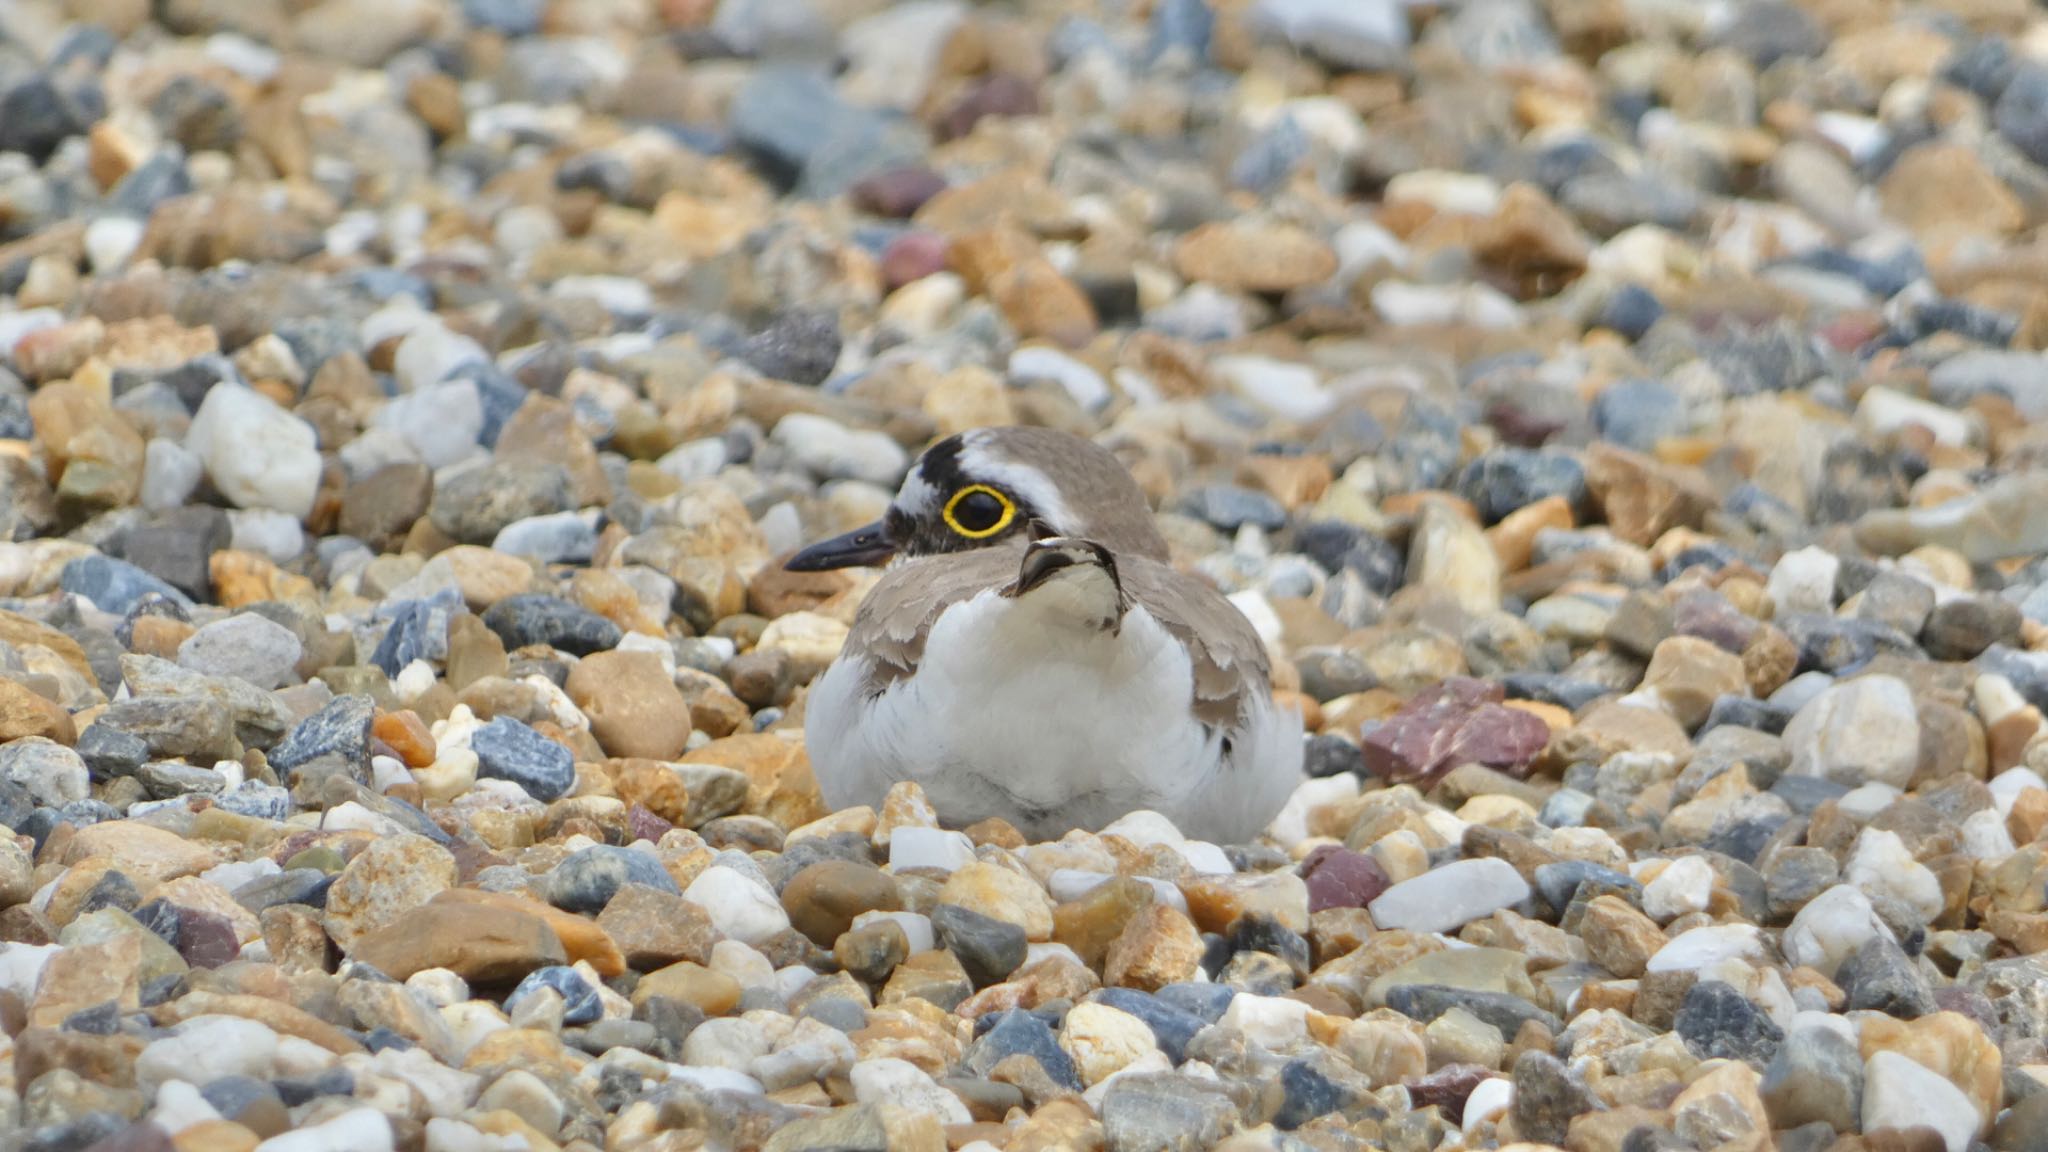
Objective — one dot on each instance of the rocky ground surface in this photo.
(1625, 419)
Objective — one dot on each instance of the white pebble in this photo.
(887, 1080)
(170, 473)
(1881, 865)
(206, 1048)
(430, 353)
(831, 451)
(917, 928)
(1489, 1101)
(737, 905)
(1451, 896)
(110, 241)
(1082, 383)
(1830, 927)
(2007, 786)
(929, 848)
(258, 454)
(180, 1106)
(1900, 1093)
(265, 530)
(1271, 1021)
(1288, 390)
(357, 1130)
(1683, 886)
(1710, 946)
(1803, 580)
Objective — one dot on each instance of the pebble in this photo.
(256, 453)
(1899, 1093)
(1450, 896)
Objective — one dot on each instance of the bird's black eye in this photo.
(978, 512)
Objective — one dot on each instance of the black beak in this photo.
(866, 545)
(1044, 557)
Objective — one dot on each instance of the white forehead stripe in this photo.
(917, 496)
(1029, 484)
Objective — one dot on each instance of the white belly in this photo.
(1016, 712)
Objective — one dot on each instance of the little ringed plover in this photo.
(1031, 654)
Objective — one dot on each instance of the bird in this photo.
(1030, 653)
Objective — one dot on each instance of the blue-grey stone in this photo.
(1228, 507)
(291, 886)
(1165, 1113)
(1336, 546)
(1361, 35)
(14, 419)
(1805, 794)
(1611, 202)
(1426, 1002)
(580, 1003)
(801, 346)
(1970, 321)
(1206, 1001)
(1559, 881)
(1836, 645)
(161, 177)
(1173, 1027)
(262, 801)
(1271, 157)
(557, 538)
(235, 1096)
(1017, 1032)
(342, 729)
(1638, 413)
(499, 393)
(109, 751)
(549, 620)
(2021, 114)
(1320, 1084)
(791, 120)
(588, 879)
(1718, 1023)
(1556, 688)
(36, 115)
(1630, 310)
(114, 585)
(1182, 28)
(418, 630)
(1326, 754)
(1746, 712)
(509, 750)
(510, 17)
(989, 949)
(1768, 31)
(297, 1090)
(1880, 977)
(1507, 479)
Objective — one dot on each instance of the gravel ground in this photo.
(1624, 420)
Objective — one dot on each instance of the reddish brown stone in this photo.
(897, 193)
(1448, 1088)
(1000, 95)
(1458, 721)
(1339, 878)
(911, 257)
(644, 825)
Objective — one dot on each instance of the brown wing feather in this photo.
(898, 612)
(1230, 663)
(1229, 658)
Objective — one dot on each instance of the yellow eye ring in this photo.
(1002, 522)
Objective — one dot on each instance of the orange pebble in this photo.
(408, 736)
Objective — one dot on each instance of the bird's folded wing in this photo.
(901, 608)
(1230, 666)
(1229, 659)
